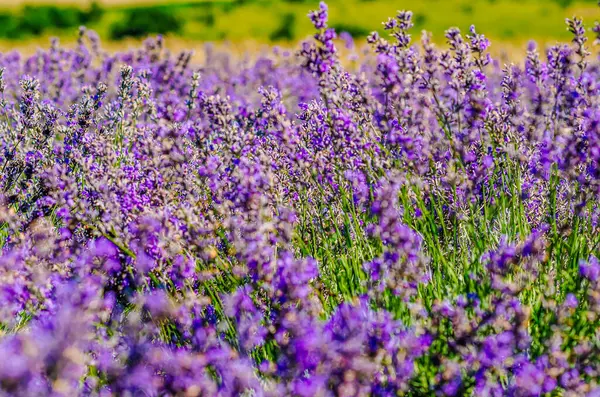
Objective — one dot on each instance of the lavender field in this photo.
(412, 221)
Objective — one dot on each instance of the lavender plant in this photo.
(424, 222)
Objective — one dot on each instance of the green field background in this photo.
(505, 21)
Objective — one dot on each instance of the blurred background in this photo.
(28, 24)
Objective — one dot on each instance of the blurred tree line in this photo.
(285, 20)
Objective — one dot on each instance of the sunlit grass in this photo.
(508, 23)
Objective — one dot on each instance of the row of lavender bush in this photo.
(423, 223)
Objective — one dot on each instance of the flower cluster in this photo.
(424, 222)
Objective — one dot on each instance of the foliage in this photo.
(286, 30)
(261, 20)
(36, 20)
(140, 22)
(353, 30)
